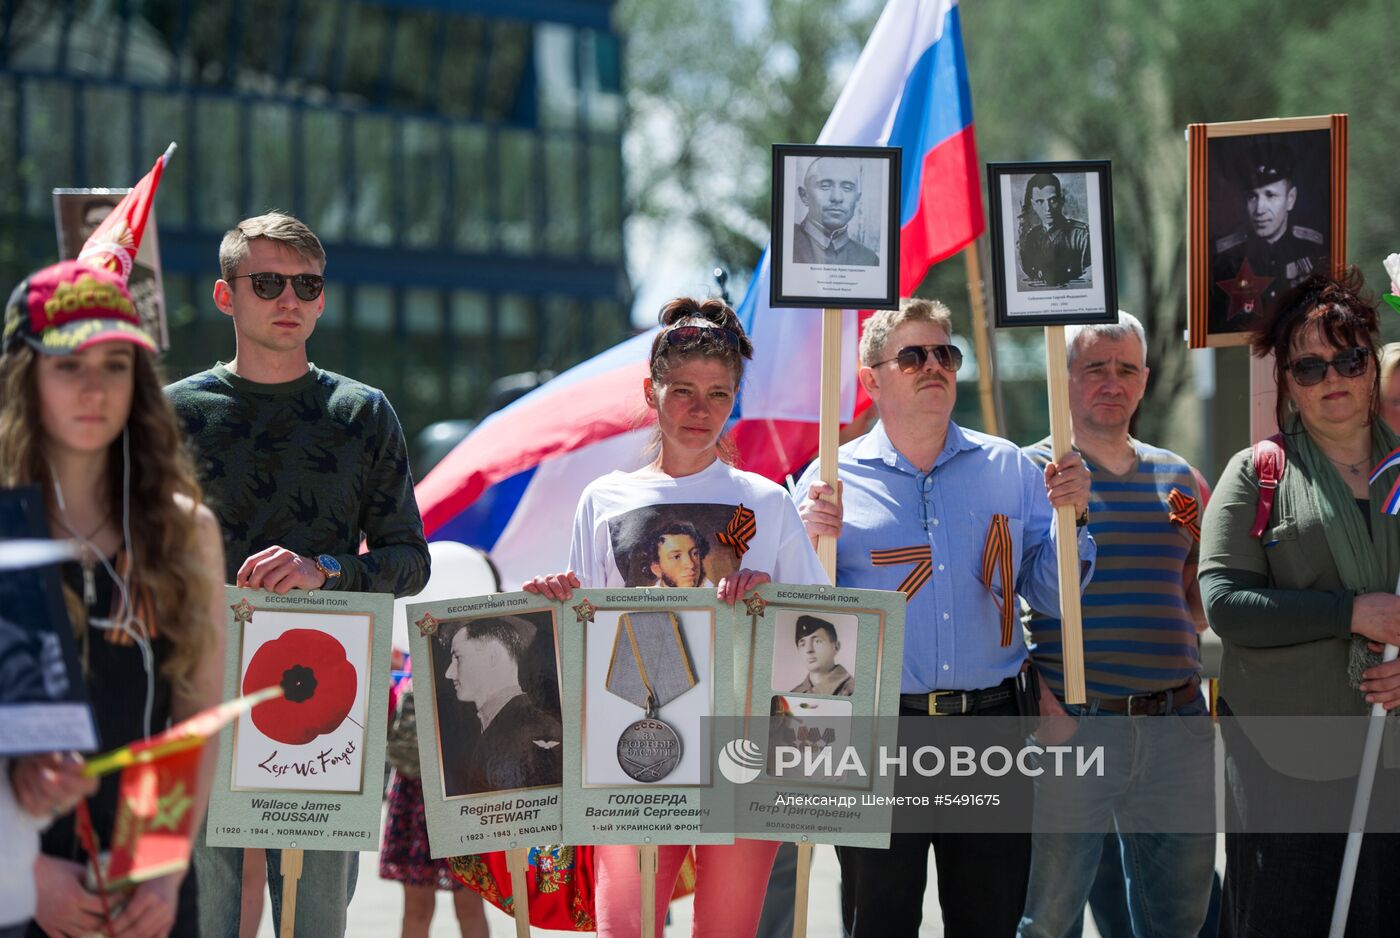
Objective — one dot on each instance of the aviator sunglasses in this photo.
(912, 358)
(269, 286)
(1311, 369)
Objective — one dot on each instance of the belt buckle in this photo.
(1147, 704)
(933, 696)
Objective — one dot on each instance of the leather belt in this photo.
(1154, 704)
(960, 702)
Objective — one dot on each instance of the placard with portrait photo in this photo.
(1052, 243)
(835, 235)
(820, 671)
(490, 737)
(303, 770)
(43, 697)
(1267, 208)
(78, 213)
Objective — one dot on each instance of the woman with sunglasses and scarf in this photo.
(696, 366)
(82, 417)
(1302, 594)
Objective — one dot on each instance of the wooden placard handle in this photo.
(646, 865)
(829, 430)
(518, 865)
(290, 866)
(1061, 443)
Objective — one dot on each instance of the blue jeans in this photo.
(323, 893)
(1155, 768)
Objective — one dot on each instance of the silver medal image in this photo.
(650, 667)
(649, 750)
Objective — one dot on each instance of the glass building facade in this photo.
(461, 162)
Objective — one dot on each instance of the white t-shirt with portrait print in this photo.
(622, 517)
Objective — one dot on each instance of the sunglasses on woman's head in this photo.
(912, 358)
(688, 336)
(1311, 369)
(269, 286)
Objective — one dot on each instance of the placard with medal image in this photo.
(490, 739)
(644, 672)
(821, 667)
(303, 771)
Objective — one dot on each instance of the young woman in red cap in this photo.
(83, 417)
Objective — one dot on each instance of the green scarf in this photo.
(1368, 562)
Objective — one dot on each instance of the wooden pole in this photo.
(986, 393)
(518, 863)
(828, 437)
(1061, 435)
(1263, 396)
(646, 864)
(290, 865)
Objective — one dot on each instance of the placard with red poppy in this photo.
(313, 737)
(303, 771)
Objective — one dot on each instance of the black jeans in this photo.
(981, 876)
(1283, 885)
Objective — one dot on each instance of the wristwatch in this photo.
(1083, 519)
(330, 569)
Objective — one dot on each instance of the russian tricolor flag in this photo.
(511, 486)
(1391, 505)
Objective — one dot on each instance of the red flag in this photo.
(155, 819)
(155, 800)
(113, 245)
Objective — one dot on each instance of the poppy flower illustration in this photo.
(320, 684)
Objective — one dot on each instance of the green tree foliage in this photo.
(1091, 79)
(711, 86)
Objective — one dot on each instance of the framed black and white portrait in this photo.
(1052, 243)
(835, 237)
(1267, 208)
(496, 703)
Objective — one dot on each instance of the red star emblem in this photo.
(1244, 290)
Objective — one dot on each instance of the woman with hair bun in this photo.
(696, 366)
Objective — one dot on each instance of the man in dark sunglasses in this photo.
(299, 464)
(926, 506)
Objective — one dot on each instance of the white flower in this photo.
(1392, 268)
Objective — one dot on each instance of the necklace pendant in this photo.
(89, 585)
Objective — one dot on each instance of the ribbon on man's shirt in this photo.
(997, 561)
(1185, 511)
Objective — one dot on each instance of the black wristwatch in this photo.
(1083, 519)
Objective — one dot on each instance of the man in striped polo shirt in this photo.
(1142, 612)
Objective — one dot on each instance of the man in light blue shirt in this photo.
(923, 501)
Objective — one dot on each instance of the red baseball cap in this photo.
(68, 306)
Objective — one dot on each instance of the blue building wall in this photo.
(461, 162)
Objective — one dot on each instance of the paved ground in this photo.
(378, 907)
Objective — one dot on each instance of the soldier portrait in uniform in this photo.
(830, 190)
(1266, 208)
(1051, 232)
(1052, 248)
(814, 653)
(497, 687)
(835, 227)
(1269, 219)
